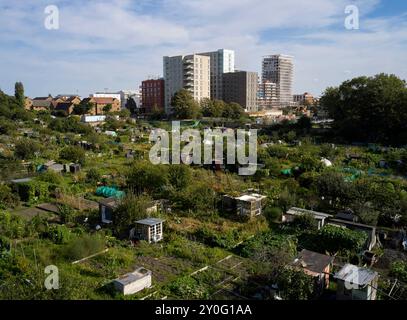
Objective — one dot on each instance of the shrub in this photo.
(93, 176)
(189, 288)
(83, 246)
(33, 191)
(7, 198)
(58, 234)
(51, 177)
(398, 269)
(73, 153)
(26, 149)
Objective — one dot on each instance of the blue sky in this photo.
(115, 44)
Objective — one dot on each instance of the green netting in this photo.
(108, 192)
(286, 172)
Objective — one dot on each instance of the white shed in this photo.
(133, 282)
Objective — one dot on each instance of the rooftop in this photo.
(150, 221)
(23, 180)
(133, 276)
(109, 202)
(300, 211)
(356, 275)
(250, 197)
(312, 261)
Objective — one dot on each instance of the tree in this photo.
(304, 222)
(156, 113)
(107, 108)
(184, 104)
(179, 176)
(334, 190)
(93, 176)
(233, 111)
(73, 153)
(27, 149)
(212, 108)
(19, 94)
(130, 209)
(131, 105)
(146, 177)
(83, 108)
(372, 109)
(295, 284)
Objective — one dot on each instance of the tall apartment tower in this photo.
(279, 69)
(222, 61)
(241, 87)
(191, 72)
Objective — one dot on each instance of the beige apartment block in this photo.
(190, 72)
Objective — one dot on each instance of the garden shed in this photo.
(356, 283)
(150, 230)
(247, 204)
(106, 208)
(133, 282)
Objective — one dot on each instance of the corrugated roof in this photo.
(356, 275)
(299, 211)
(150, 221)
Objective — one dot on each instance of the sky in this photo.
(113, 45)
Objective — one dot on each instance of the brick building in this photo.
(152, 95)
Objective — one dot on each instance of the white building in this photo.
(191, 72)
(222, 61)
(126, 94)
(279, 69)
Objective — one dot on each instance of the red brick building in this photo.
(152, 95)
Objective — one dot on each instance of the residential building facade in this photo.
(113, 95)
(100, 103)
(279, 69)
(191, 72)
(152, 95)
(221, 61)
(267, 95)
(241, 87)
(303, 99)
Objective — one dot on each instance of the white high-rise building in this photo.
(222, 61)
(191, 72)
(279, 69)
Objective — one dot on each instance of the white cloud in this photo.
(118, 43)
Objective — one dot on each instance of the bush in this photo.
(7, 198)
(146, 177)
(58, 234)
(227, 240)
(83, 246)
(334, 239)
(189, 288)
(93, 176)
(74, 154)
(33, 191)
(27, 149)
(398, 269)
(51, 177)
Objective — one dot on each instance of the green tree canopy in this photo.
(19, 94)
(369, 109)
(185, 106)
